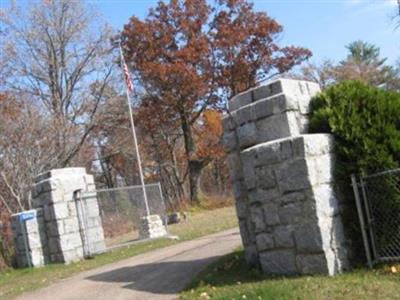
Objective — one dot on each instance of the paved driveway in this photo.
(159, 274)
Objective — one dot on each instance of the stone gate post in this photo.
(289, 214)
(54, 193)
(52, 231)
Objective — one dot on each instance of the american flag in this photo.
(128, 79)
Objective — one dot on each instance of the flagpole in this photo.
(134, 137)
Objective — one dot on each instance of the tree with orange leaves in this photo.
(189, 56)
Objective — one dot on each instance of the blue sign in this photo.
(27, 216)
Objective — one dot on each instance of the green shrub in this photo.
(366, 124)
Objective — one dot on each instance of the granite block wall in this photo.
(29, 239)
(289, 213)
(69, 226)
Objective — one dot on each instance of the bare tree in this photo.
(322, 73)
(25, 150)
(62, 61)
(56, 69)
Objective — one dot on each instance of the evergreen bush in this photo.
(365, 121)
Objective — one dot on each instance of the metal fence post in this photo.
(82, 223)
(369, 219)
(361, 218)
(165, 207)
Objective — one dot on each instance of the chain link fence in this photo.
(121, 210)
(378, 204)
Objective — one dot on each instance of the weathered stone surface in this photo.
(265, 177)
(244, 115)
(240, 100)
(318, 144)
(71, 224)
(249, 173)
(267, 153)
(264, 241)
(272, 128)
(151, 227)
(28, 238)
(70, 241)
(283, 237)
(247, 134)
(91, 207)
(60, 210)
(263, 109)
(257, 219)
(289, 213)
(293, 197)
(60, 236)
(72, 255)
(278, 262)
(312, 263)
(271, 213)
(261, 196)
(293, 176)
(308, 239)
(294, 123)
(54, 173)
(327, 204)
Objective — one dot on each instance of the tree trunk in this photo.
(195, 168)
(194, 165)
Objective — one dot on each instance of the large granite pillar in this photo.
(289, 213)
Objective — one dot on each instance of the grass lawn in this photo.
(199, 223)
(230, 278)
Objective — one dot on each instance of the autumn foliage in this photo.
(189, 57)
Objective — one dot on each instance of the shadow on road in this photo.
(168, 277)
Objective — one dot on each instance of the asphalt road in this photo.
(159, 274)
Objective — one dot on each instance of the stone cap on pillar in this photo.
(60, 173)
(296, 89)
(269, 112)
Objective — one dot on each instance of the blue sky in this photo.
(323, 26)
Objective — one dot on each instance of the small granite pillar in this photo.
(289, 214)
(29, 238)
(151, 227)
